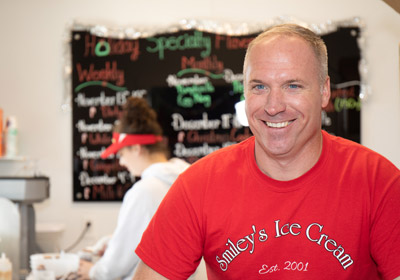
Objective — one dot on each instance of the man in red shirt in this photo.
(292, 202)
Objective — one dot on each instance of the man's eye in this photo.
(259, 87)
(294, 86)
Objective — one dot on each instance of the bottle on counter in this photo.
(11, 137)
(5, 268)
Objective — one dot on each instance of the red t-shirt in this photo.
(340, 220)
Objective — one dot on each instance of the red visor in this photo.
(122, 140)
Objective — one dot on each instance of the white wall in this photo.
(32, 83)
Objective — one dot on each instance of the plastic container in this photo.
(43, 275)
(61, 264)
(5, 268)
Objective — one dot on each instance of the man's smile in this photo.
(278, 124)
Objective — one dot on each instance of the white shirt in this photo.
(138, 206)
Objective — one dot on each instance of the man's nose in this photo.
(275, 102)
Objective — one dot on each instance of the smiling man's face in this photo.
(284, 96)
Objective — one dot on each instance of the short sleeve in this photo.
(385, 231)
(172, 243)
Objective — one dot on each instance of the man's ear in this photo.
(326, 92)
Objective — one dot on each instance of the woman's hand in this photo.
(84, 268)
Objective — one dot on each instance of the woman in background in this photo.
(137, 138)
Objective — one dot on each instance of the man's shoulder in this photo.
(231, 150)
(341, 144)
(226, 156)
(357, 153)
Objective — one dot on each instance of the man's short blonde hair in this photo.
(316, 43)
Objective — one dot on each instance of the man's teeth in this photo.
(277, 125)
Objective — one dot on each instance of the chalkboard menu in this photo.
(193, 79)
(342, 115)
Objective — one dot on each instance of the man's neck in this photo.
(290, 166)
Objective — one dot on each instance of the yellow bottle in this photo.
(5, 268)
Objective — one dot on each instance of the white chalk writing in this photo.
(179, 123)
(86, 180)
(100, 126)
